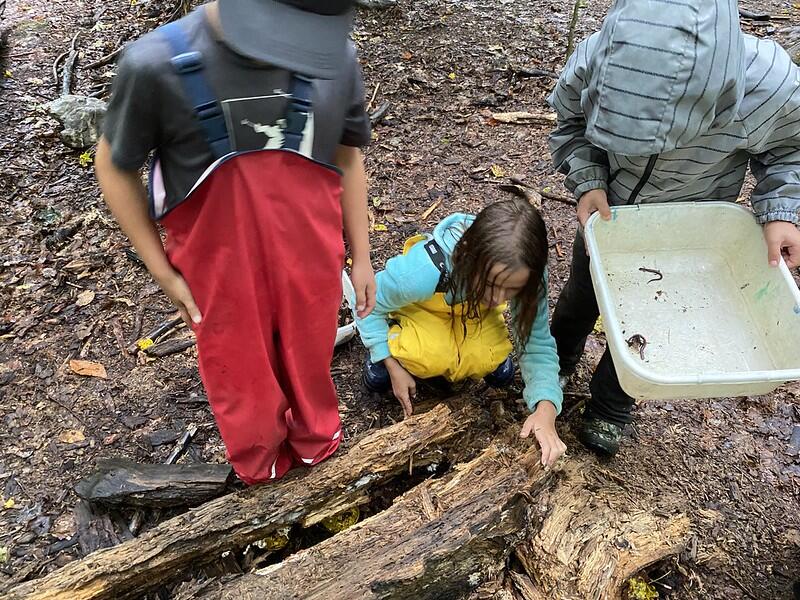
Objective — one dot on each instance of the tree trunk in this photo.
(231, 522)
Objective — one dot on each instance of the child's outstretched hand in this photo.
(593, 201)
(363, 278)
(543, 425)
(404, 386)
(783, 238)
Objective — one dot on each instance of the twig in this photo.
(555, 197)
(170, 347)
(69, 66)
(523, 72)
(374, 95)
(147, 340)
(572, 24)
(57, 61)
(105, 60)
(380, 113)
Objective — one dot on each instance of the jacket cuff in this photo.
(379, 352)
(779, 215)
(554, 396)
(588, 186)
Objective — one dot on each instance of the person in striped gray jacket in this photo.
(669, 102)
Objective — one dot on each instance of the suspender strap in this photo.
(188, 64)
(297, 111)
(436, 255)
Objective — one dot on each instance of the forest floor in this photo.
(70, 291)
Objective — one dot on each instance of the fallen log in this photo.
(439, 540)
(597, 535)
(578, 536)
(119, 482)
(201, 535)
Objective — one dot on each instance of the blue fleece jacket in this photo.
(413, 277)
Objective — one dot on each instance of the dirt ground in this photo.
(69, 290)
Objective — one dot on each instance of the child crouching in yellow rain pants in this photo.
(439, 312)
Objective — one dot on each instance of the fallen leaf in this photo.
(85, 159)
(85, 298)
(9, 504)
(88, 368)
(3, 554)
(498, 171)
(71, 436)
(407, 55)
(452, 76)
(430, 209)
(376, 202)
(7, 74)
(379, 227)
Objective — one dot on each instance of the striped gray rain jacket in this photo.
(670, 101)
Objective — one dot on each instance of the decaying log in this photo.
(121, 482)
(231, 522)
(439, 540)
(579, 536)
(597, 535)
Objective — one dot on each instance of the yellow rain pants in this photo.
(430, 340)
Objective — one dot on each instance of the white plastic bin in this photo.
(721, 321)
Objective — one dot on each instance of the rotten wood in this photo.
(95, 530)
(233, 521)
(439, 540)
(120, 482)
(598, 534)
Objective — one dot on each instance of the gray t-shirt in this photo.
(148, 109)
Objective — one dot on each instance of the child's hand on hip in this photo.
(363, 278)
(543, 425)
(404, 386)
(783, 238)
(176, 288)
(593, 201)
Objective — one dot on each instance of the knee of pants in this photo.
(422, 354)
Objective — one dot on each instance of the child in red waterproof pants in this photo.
(253, 111)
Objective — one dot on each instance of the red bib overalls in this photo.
(259, 242)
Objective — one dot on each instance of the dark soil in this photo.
(444, 66)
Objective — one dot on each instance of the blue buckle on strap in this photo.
(188, 62)
(188, 65)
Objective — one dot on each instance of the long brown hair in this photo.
(512, 233)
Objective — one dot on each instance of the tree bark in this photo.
(231, 522)
(580, 535)
(438, 541)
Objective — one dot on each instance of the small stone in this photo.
(82, 119)
(162, 436)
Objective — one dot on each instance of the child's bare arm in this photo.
(126, 197)
(356, 225)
